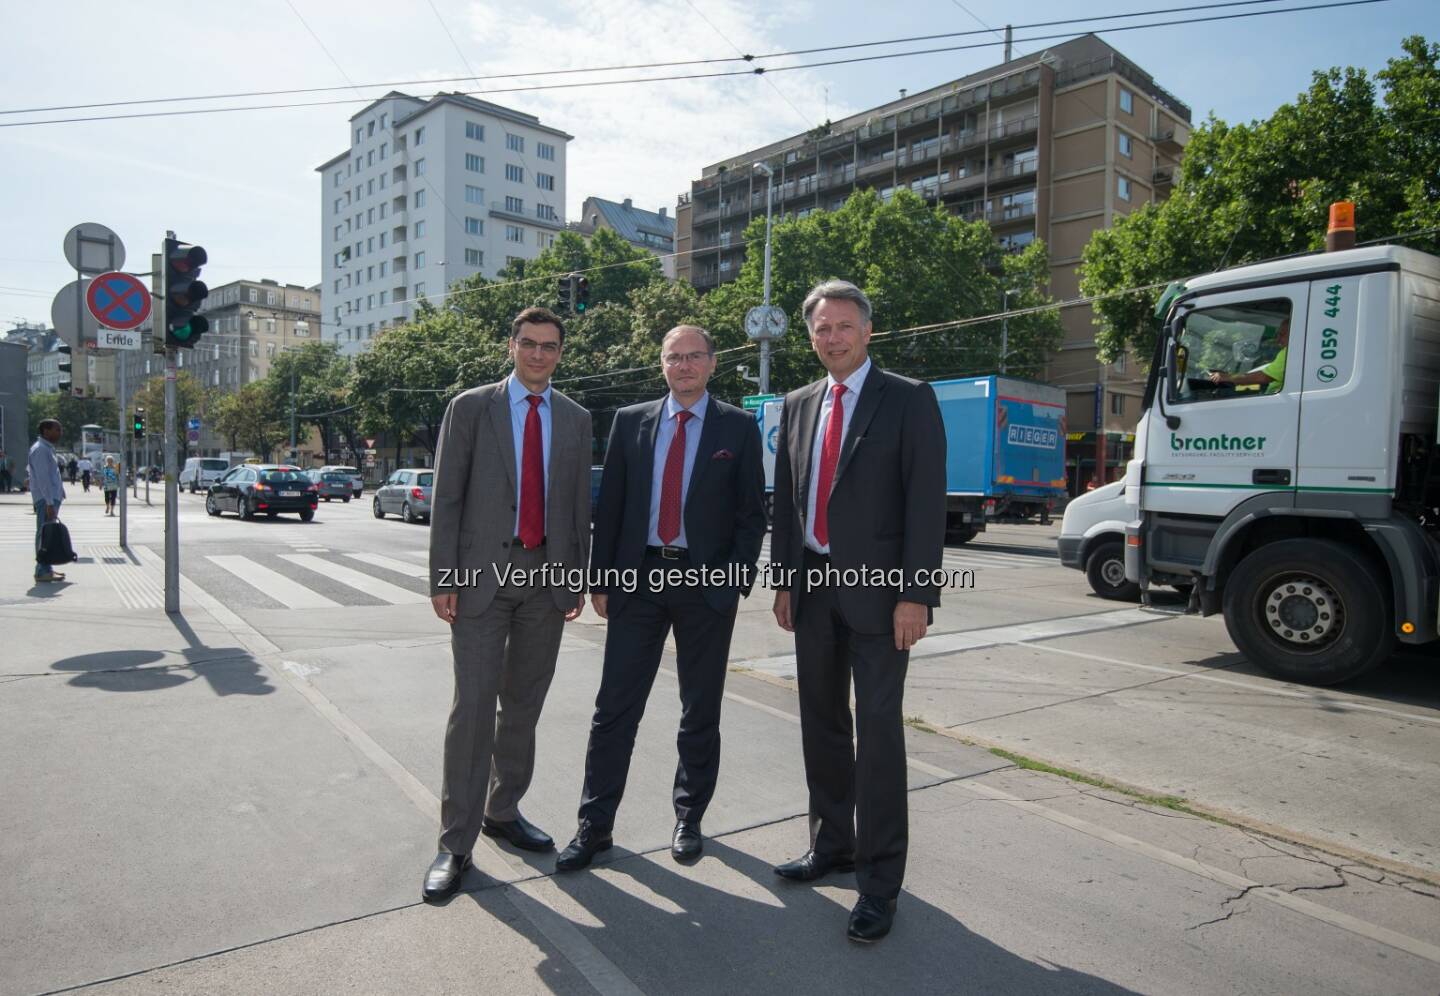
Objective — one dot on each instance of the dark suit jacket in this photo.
(887, 501)
(724, 504)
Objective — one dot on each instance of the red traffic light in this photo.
(184, 258)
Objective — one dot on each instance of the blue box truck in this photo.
(1005, 449)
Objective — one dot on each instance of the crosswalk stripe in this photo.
(289, 593)
(391, 564)
(383, 590)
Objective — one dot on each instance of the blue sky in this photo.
(243, 183)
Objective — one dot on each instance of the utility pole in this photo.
(292, 410)
(769, 172)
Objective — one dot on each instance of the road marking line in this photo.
(391, 564)
(291, 594)
(360, 581)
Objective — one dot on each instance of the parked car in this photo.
(201, 472)
(263, 489)
(406, 492)
(356, 481)
(331, 484)
(1092, 539)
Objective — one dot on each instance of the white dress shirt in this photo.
(853, 383)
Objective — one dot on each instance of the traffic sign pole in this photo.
(120, 481)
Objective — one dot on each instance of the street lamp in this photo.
(1005, 325)
(769, 172)
(250, 316)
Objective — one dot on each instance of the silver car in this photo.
(405, 493)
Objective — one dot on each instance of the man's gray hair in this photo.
(680, 330)
(836, 290)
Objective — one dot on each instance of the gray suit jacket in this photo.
(472, 517)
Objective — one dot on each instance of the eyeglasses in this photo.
(530, 345)
(675, 359)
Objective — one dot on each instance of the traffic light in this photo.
(183, 292)
(582, 294)
(64, 366)
(566, 288)
(139, 423)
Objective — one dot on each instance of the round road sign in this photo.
(118, 301)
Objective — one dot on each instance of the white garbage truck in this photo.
(1286, 463)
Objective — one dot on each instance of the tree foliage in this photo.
(72, 412)
(1248, 192)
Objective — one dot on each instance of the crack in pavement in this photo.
(1227, 902)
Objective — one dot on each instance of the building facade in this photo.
(251, 322)
(1050, 146)
(652, 231)
(430, 191)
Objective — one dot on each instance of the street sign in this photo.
(118, 300)
(91, 248)
(369, 442)
(753, 401)
(118, 339)
(72, 321)
(193, 423)
(766, 322)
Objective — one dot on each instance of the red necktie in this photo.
(669, 525)
(532, 479)
(829, 457)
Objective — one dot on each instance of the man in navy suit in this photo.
(681, 500)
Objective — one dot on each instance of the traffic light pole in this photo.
(172, 495)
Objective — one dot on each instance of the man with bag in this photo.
(47, 491)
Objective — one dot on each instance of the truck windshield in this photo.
(1229, 351)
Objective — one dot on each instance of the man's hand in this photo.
(782, 611)
(602, 605)
(445, 606)
(1219, 377)
(51, 511)
(574, 613)
(910, 624)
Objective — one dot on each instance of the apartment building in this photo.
(652, 231)
(1052, 145)
(251, 323)
(429, 191)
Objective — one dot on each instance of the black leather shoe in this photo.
(871, 918)
(443, 878)
(581, 851)
(520, 832)
(686, 844)
(812, 866)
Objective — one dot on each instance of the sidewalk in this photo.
(198, 811)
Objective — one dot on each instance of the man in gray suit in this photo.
(859, 484)
(510, 515)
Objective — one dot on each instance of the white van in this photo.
(200, 472)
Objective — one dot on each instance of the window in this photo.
(544, 151)
(475, 131)
(514, 173)
(474, 226)
(382, 240)
(383, 211)
(474, 163)
(370, 216)
(384, 148)
(383, 268)
(514, 233)
(369, 301)
(370, 128)
(420, 167)
(474, 195)
(420, 290)
(338, 178)
(419, 261)
(419, 229)
(370, 158)
(1117, 404)
(1125, 146)
(419, 198)
(1244, 341)
(359, 135)
(383, 119)
(339, 203)
(544, 181)
(474, 257)
(515, 143)
(369, 187)
(420, 136)
(1122, 188)
(515, 205)
(545, 212)
(1127, 101)
(370, 244)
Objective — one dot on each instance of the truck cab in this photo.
(1286, 460)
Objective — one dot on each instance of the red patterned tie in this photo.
(532, 479)
(829, 457)
(669, 525)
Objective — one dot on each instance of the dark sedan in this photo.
(263, 489)
(331, 484)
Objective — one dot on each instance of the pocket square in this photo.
(722, 455)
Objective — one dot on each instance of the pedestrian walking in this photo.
(5, 473)
(73, 469)
(86, 469)
(47, 491)
(110, 484)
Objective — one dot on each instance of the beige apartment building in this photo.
(1051, 145)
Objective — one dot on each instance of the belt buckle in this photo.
(669, 553)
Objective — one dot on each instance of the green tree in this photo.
(1251, 192)
(190, 399)
(72, 412)
(320, 377)
(248, 420)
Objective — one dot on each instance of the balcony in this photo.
(399, 174)
(1011, 172)
(1165, 176)
(1168, 140)
(704, 279)
(875, 167)
(1007, 214)
(398, 206)
(704, 213)
(966, 182)
(1009, 130)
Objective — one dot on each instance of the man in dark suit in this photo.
(510, 512)
(859, 483)
(682, 495)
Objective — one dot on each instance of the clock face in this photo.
(775, 321)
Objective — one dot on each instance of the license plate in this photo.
(289, 494)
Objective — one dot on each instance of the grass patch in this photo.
(1174, 802)
(918, 723)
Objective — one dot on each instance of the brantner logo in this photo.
(1244, 444)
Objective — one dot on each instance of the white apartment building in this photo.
(428, 192)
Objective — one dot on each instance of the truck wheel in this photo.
(1105, 570)
(1312, 611)
(961, 536)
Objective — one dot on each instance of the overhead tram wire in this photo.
(757, 71)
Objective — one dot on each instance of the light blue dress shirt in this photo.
(853, 384)
(668, 424)
(519, 412)
(45, 483)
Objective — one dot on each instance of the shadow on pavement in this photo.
(689, 936)
(229, 670)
